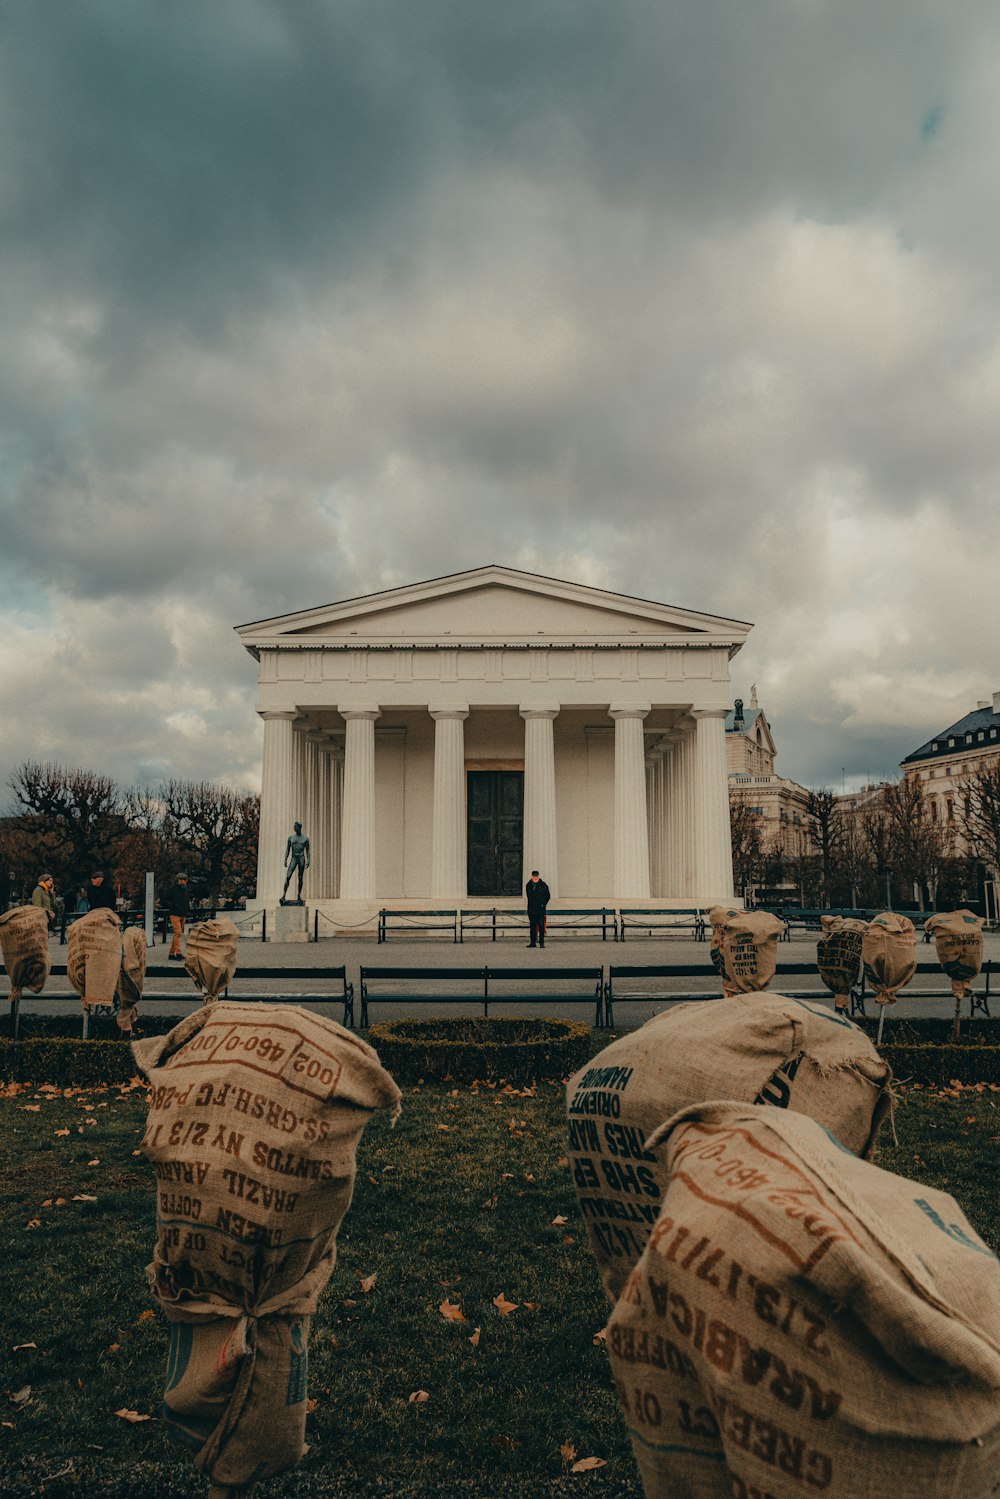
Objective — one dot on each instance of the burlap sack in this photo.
(210, 958)
(131, 977)
(838, 956)
(744, 948)
(24, 945)
(764, 1049)
(958, 938)
(889, 953)
(95, 957)
(802, 1322)
(253, 1124)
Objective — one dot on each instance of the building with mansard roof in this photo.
(940, 763)
(439, 741)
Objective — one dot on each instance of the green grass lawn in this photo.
(456, 1204)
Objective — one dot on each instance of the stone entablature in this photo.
(377, 709)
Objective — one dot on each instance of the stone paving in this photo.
(509, 952)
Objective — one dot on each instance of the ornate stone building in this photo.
(780, 803)
(439, 741)
(940, 763)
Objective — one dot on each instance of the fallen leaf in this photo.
(84, 1197)
(587, 1464)
(568, 1452)
(532, 1306)
(507, 1176)
(9, 1425)
(132, 1416)
(33, 1223)
(22, 1396)
(367, 1281)
(348, 1302)
(558, 1222)
(451, 1311)
(528, 1176)
(474, 1340)
(61, 1132)
(503, 1306)
(563, 1160)
(90, 1121)
(490, 1202)
(148, 1314)
(114, 1347)
(19, 1347)
(333, 1340)
(32, 1108)
(445, 1127)
(311, 1406)
(568, 1239)
(419, 1397)
(95, 1162)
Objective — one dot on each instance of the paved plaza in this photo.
(559, 952)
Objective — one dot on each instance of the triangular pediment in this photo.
(493, 606)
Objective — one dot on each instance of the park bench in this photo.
(173, 986)
(445, 922)
(657, 923)
(489, 923)
(644, 983)
(478, 986)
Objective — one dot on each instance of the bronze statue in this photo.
(296, 859)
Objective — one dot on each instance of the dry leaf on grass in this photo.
(503, 1306)
(532, 1306)
(32, 1108)
(33, 1223)
(21, 1396)
(419, 1397)
(451, 1311)
(132, 1416)
(84, 1197)
(367, 1281)
(490, 1202)
(19, 1347)
(568, 1452)
(563, 1160)
(445, 1127)
(474, 1340)
(146, 1316)
(311, 1406)
(95, 1162)
(559, 1220)
(587, 1464)
(61, 1132)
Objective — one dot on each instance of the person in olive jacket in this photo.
(177, 910)
(537, 893)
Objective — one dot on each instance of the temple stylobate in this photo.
(440, 740)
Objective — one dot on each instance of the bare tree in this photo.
(977, 809)
(921, 847)
(214, 831)
(825, 828)
(75, 818)
(746, 834)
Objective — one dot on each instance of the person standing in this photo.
(42, 895)
(100, 892)
(178, 905)
(537, 894)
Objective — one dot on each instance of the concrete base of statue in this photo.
(290, 924)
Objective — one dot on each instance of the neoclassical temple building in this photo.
(441, 740)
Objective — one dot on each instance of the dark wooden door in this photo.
(496, 821)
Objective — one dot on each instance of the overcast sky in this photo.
(695, 301)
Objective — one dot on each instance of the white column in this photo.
(357, 858)
(310, 823)
(448, 835)
(299, 777)
(276, 804)
(672, 856)
(540, 851)
(655, 778)
(319, 885)
(336, 814)
(687, 808)
(713, 845)
(631, 838)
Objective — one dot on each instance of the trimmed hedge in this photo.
(69, 1064)
(938, 1066)
(514, 1049)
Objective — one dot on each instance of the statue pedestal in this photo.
(290, 924)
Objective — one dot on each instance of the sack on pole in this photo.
(762, 1048)
(838, 956)
(803, 1322)
(24, 946)
(210, 956)
(94, 959)
(744, 948)
(254, 1120)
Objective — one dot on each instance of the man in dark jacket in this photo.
(177, 909)
(537, 893)
(100, 891)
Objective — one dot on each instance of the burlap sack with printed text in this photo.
(744, 948)
(762, 1048)
(210, 957)
(254, 1119)
(802, 1322)
(95, 957)
(24, 946)
(838, 956)
(131, 977)
(889, 953)
(958, 938)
